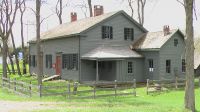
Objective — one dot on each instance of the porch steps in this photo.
(51, 78)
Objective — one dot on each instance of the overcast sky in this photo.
(157, 14)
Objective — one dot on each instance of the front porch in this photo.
(107, 63)
(98, 70)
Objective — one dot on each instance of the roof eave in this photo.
(148, 49)
(54, 38)
(120, 58)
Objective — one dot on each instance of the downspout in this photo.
(79, 58)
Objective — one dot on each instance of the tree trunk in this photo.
(90, 7)
(60, 14)
(16, 55)
(39, 67)
(11, 62)
(22, 37)
(189, 89)
(4, 54)
(9, 72)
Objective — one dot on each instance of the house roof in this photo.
(79, 26)
(153, 40)
(111, 52)
(197, 53)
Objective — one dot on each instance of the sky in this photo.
(157, 14)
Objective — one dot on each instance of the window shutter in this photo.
(132, 34)
(68, 61)
(111, 32)
(62, 61)
(50, 61)
(103, 32)
(46, 61)
(125, 33)
(30, 61)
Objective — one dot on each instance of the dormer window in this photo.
(128, 34)
(107, 32)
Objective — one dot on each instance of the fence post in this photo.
(94, 89)
(30, 88)
(199, 81)
(9, 82)
(134, 87)
(75, 88)
(115, 88)
(40, 90)
(15, 88)
(69, 90)
(2, 80)
(22, 85)
(147, 86)
(176, 82)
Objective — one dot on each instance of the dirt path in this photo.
(15, 106)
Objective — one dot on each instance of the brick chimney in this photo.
(166, 30)
(98, 10)
(73, 16)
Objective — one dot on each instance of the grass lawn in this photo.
(171, 101)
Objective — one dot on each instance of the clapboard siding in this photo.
(93, 39)
(122, 70)
(63, 46)
(151, 55)
(175, 54)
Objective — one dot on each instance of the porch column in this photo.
(97, 70)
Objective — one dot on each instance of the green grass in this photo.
(171, 101)
(164, 102)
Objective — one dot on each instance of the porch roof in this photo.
(111, 52)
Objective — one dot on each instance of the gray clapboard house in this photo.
(109, 47)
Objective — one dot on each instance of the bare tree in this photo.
(141, 5)
(39, 63)
(7, 17)
(22, 7)
(140, 9)
(16, 54)
(90, 7)
(130, 4)
(84, 7)
(59, 8)
(189, 89)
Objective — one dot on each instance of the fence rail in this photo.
(89, 90)
(19, 87)
(161, 85)
(71, 90)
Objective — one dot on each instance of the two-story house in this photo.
(109, 47)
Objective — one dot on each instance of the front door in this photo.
(58, 65)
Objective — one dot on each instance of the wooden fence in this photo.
(19, 87)
(90, 90)
(162, 85)
(72, 90)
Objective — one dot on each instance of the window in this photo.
(130, 67)
(175, 42)
(128, 34)
(168, 66)
(70, 61)
(48, 61)
(183, 65)
(107, 32)
(150, 65)
(34, 63)
(30, 64)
